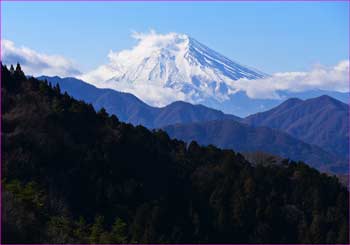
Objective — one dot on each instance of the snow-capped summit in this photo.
(164, 68)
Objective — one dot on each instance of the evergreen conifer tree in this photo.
(12, 70)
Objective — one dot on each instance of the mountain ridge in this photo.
(229, 134)
(321, 121)
(131, 109)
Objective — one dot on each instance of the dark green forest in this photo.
(74, 175)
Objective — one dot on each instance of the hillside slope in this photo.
(71, 175)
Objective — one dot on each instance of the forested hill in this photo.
(73, 175)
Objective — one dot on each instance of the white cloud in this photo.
(35, 63)
(334, 78)
(121, 61)
(123, 72)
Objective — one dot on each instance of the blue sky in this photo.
(271, 36)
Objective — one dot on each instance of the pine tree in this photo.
(102, 113)
(57, 88)
(18, 71)
(81, 231)
(119, 232)
(59, 230)
(96, 230)
(12, 70)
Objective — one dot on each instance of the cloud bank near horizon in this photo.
(35, 63)
(334, 78)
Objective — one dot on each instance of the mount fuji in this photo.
(164, 68)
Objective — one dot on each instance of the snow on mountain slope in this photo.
(164, 68)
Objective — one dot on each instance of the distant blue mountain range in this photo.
(322, 121)
(242, 105)
(314, 130)
(244, 138)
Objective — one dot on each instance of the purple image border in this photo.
(214, 1)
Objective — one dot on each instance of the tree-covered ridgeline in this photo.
(74, 175)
